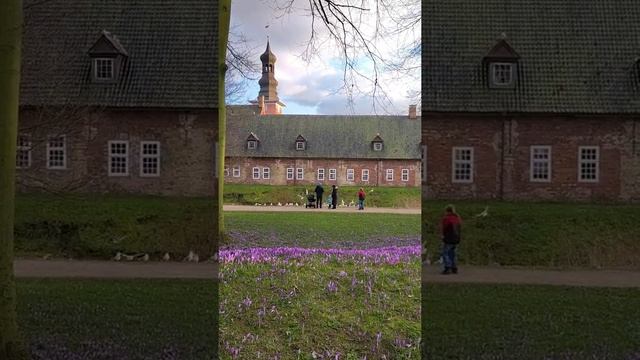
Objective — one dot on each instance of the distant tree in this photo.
(11, 344)
(241, 66)
(345, 25)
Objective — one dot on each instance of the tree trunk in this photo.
(11, 344)
(224, 17)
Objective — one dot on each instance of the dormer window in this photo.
(502, 74)
(252, 141)
(103, 68)
(377, 143)
(108, 58)
(501, 65)
(301, 143)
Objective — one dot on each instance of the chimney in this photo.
(412, 112)
(261, 104)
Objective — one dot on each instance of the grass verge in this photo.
(541, 234)
(530, 322)
(379, 196)
(124, 319)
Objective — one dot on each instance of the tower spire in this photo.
(268, 95)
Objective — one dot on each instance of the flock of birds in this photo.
(192, 257)
(302, 203)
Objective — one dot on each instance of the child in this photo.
(451, 225)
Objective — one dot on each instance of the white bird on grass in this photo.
(484, 213)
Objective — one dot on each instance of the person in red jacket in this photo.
(451, 226)
(361, 196)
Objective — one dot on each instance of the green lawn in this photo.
(542, 234)
(98, 226)
(374, 312)
(321, 229)
(530, 322)
(379, 196)
(134, 319)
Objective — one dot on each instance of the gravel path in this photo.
(113, 270)
(520, 276)
(26, 268)
(303, 209)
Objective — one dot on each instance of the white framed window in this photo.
(150, 158)
(589, 163)
(540, 163)
(236, 171)
(462, 165)
(299, 173)
(103, 68)
(365, 175)
(23, 154)
(57, 152)
(332, 174)
(350, 175)
(300, 145)
(256, 173)
(424, 163)
(404, 175)
(118, 158)
(389, 175)
(252, 144)
(377, 146)
(320, 175)
(502, 74)
(226, 171)
(290, 173)
(266, 173)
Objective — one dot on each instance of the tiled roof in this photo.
(576, 56)
(171, 47)
(336, 137)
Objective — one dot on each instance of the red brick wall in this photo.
(502, 156)
(187, 144)
(377, 171)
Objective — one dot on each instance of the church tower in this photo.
(268, 100)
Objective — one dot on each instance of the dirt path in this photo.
(26, 268)
(113, 270)
(519, 276)
(324, 209)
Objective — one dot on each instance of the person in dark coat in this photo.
(334, 196)
(319, 191)
(451, 227)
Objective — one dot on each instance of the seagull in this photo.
(279, 204)
(118, 257)
(484, 213)
(128, 257)
(297, 204)
(166, 257)
(145, 257)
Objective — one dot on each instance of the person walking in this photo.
(334, 196)
(361, 196)
(451, 227)
(319, 191)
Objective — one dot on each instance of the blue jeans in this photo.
(360, 204)
(449, 255)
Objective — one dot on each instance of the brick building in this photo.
(264, 146)
(531, 100)
(119, 96)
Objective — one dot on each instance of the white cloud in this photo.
(311, 86)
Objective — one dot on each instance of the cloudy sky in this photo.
(313, 87)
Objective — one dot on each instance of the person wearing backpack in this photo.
(451, 226)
